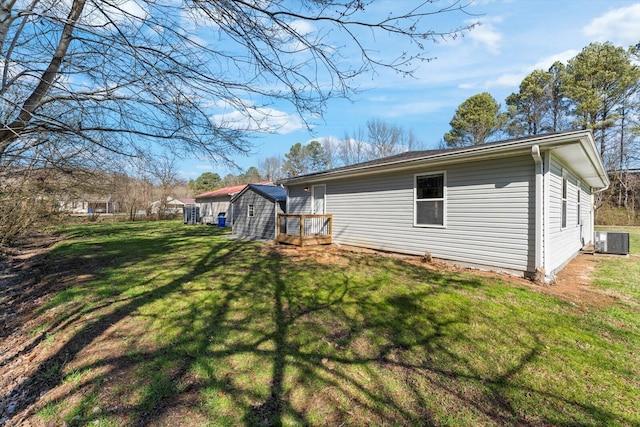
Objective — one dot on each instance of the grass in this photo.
(165, 324)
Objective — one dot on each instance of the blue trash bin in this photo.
(221, 221)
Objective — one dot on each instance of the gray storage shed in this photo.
(255, 211)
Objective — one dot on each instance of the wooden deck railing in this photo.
(303, 230)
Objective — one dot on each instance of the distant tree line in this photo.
(375, 140)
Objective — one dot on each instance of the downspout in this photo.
(540, 274)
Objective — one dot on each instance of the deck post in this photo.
(301, 230)
(278, 228)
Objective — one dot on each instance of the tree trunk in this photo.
(13, 130)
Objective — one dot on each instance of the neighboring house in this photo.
(89, 204)
(524, 206)
(173, 205)
(256, 209)
(217, 202)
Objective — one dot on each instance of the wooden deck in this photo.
(305, 230)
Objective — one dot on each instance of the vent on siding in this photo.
(608, 242)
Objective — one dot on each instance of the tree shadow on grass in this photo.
(262, 340)
(48, 375)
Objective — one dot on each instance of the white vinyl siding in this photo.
(565, 242)
(210, 208)
(298, 200)
(489, 213)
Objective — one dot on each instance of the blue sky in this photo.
(514, 37)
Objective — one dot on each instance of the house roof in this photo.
(576, 149)
(271, 192)
(225, 191)
(176, 200)
(186, 200)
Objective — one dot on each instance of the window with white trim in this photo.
(564, 199)
(251, 210)
(430, 196)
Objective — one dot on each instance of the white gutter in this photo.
(539, 220)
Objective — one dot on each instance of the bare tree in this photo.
(376, 140)
(163, 171)
(40, 179)
(270, 168)
(331, 146)
(133, 188)
(353, 148)
(387, 139)
(113, 74)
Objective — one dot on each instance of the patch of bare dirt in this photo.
(574, 283)
(22, 292)
(326, 254)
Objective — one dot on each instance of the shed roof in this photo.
(576, 148)
(271, 192)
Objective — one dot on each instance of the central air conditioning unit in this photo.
(610, 242)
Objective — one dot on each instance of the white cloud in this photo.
(507, 80)
(514, 79)
(485, 34)
(408, 108)
(267, 120)
(303, 28)
(103, 15)
(619, 26)
(379, 98)
(546, 63)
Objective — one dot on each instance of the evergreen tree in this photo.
(559, 102)
(208, 181)
(529, 109)
(303, 159)
(295, 163)
(476, 120)
(598, 81)
(316, 157)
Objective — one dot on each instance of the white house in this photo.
(173, 205)
(524, 206)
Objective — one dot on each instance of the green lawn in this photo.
(166, 324)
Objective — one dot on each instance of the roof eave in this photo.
(583, 139)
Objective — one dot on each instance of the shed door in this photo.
(318, 194)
